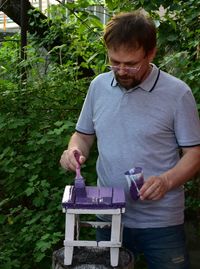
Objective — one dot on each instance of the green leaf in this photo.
(2, 219)
(30, 191)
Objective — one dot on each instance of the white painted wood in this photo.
(115, 237)
(116, 231)
(116, 227)
(69, 236)
(109, 244)
(94, 211)
(114, 256)
(81, 243)
(67, 193)
(95, 224)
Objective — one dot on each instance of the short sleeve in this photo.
(85, 122)
(187, 123)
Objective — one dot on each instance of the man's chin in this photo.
(128, 83)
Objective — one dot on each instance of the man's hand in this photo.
(68, 160)
(154, 188)
(80, 143)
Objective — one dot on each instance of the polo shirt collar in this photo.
(147, 85)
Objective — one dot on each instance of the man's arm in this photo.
(156, 186)
(81, 143)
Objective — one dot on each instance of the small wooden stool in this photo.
(97, 200)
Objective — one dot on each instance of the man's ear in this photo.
(152, 54)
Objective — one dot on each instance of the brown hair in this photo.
(132, 30)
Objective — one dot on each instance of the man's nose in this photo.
(122, 70)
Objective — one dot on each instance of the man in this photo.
(141, 116)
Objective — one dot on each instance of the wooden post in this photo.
(4, 22)
(24, 27)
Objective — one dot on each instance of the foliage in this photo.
(38, 116)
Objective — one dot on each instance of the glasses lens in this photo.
(113, 68)
(126, 69)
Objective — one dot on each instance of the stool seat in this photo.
(96, 200)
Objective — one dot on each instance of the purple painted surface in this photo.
(118, 197)
(105, 196)
(97, 198)
(80, 189)
(79, 183)
(89, 199)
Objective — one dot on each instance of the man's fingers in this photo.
(153, 189)
(68, 160)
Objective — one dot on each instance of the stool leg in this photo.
(69, 237)
(115, 237)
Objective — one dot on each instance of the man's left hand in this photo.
(154, 188)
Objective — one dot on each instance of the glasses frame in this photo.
(130, 70)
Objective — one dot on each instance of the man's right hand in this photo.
(68, 160)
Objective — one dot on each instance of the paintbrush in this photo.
(79, 182)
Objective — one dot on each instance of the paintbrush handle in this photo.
(77, 156)
(78, 169)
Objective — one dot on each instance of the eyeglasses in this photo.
(130, 70)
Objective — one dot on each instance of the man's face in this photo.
(131, 67)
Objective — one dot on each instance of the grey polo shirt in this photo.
(144, 126)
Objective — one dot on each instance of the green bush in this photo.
(37, 119)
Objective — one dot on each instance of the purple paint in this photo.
(97, 198)
(135, 180)
(105, 196)
(80, 190)
(118, 198)
(79, 180)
